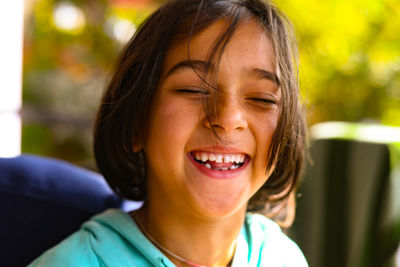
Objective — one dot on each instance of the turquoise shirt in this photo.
(113, 239)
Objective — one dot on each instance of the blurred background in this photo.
(349, 72)
(69, 50)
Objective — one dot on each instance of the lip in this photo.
(219, 174)
(220, 150)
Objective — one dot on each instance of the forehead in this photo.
(249, 42)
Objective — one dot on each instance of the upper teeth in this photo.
(219, 158)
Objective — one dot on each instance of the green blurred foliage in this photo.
(349, 66)
(65, 72)
(349, 58)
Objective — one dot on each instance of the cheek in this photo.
(171, 124)
(265, 132)
(271, 125)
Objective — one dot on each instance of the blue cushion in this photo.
(44, 200)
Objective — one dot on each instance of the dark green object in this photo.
(348, 214)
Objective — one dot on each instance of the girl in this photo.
(201, 121)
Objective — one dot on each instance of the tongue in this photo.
(221, 165)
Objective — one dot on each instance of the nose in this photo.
(226, 114)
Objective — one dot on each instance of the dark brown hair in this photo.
(122, 116)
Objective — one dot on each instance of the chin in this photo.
(218, 208)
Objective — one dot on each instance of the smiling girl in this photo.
(201, 121)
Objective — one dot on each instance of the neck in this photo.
(208, 242)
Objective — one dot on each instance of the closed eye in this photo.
(263, 100)
(193, 91)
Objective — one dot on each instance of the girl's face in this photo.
(189, 169)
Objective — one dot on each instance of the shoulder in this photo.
(73, 251)
(107, 239)
(272, 245)
(81, 248)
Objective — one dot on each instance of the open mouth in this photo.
(220, 162)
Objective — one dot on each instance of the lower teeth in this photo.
(207, 165)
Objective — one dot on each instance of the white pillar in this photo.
(11, 37)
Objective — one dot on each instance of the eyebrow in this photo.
(199, 65)
(265, 74)
(204, 66)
